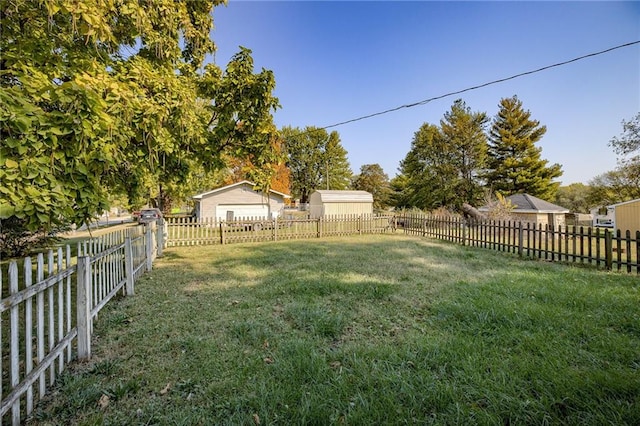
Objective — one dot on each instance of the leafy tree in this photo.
(616, 186)
(312, 154)
(515, 165)
(575, 197)
(239, 169)
(374, 180)
(623, 183)
(629, 141)
(100, 97)
(443, 165)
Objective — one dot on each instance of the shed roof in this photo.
(624, 202)
(335, 196)
(525, 203)
(244, 182)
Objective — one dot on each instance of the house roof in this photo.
(244, 182)
(525, 203)
(335, 196)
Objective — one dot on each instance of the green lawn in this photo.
(384, 329)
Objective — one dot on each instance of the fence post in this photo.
(83, 308)
(160, 237)
(319, 227)
(608, 250)
(128, 266)
(520, 238)
(149, 247)
(221, 233)
(275, 228)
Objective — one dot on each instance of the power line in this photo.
(426, 101)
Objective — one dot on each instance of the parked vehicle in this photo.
(149, 215)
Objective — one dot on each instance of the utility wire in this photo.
(426, 101)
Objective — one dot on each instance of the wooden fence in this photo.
(572, 244)
(47, 309)
(187, 231)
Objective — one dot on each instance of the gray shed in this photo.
(333, 202)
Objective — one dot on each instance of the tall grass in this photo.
(361, 330)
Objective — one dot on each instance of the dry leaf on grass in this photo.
(268, 360)
(103, 402)
(265, 344)
(256, 419)
(166, 389)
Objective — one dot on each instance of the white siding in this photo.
(239, 195)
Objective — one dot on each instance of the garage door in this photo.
(236, 211)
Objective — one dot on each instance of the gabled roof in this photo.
(335, 196)
(244, 182)
(525, 203)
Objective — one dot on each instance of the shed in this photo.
(239, 200)
(621, 216)
(528, 208)
(333, 202)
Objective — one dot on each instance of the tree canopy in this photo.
(374, 180)
(101, 96)
(316, 160)
(515, 164)
(442, 168)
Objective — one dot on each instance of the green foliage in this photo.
(443, 165)
(575, 197)
(515, 165)
(312, 154)
(17, 241)
(621, 184)
(374, 180)
(103, 97)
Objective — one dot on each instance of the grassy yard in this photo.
(362, 330)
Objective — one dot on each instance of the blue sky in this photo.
(335, 61)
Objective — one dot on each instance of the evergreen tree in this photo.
(337, 173)
(515, 164)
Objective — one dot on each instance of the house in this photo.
(239, 200)
(333, 202)
(527, 208)
(621, 216)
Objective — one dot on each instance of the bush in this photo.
(17, 241)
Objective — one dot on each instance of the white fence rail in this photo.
(47, 309)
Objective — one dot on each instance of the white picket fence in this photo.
(46, 321)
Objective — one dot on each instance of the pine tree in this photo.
(515, 164)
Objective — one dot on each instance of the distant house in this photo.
(528, 208)
(239, 200)
(621, 216)
(333, 202)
